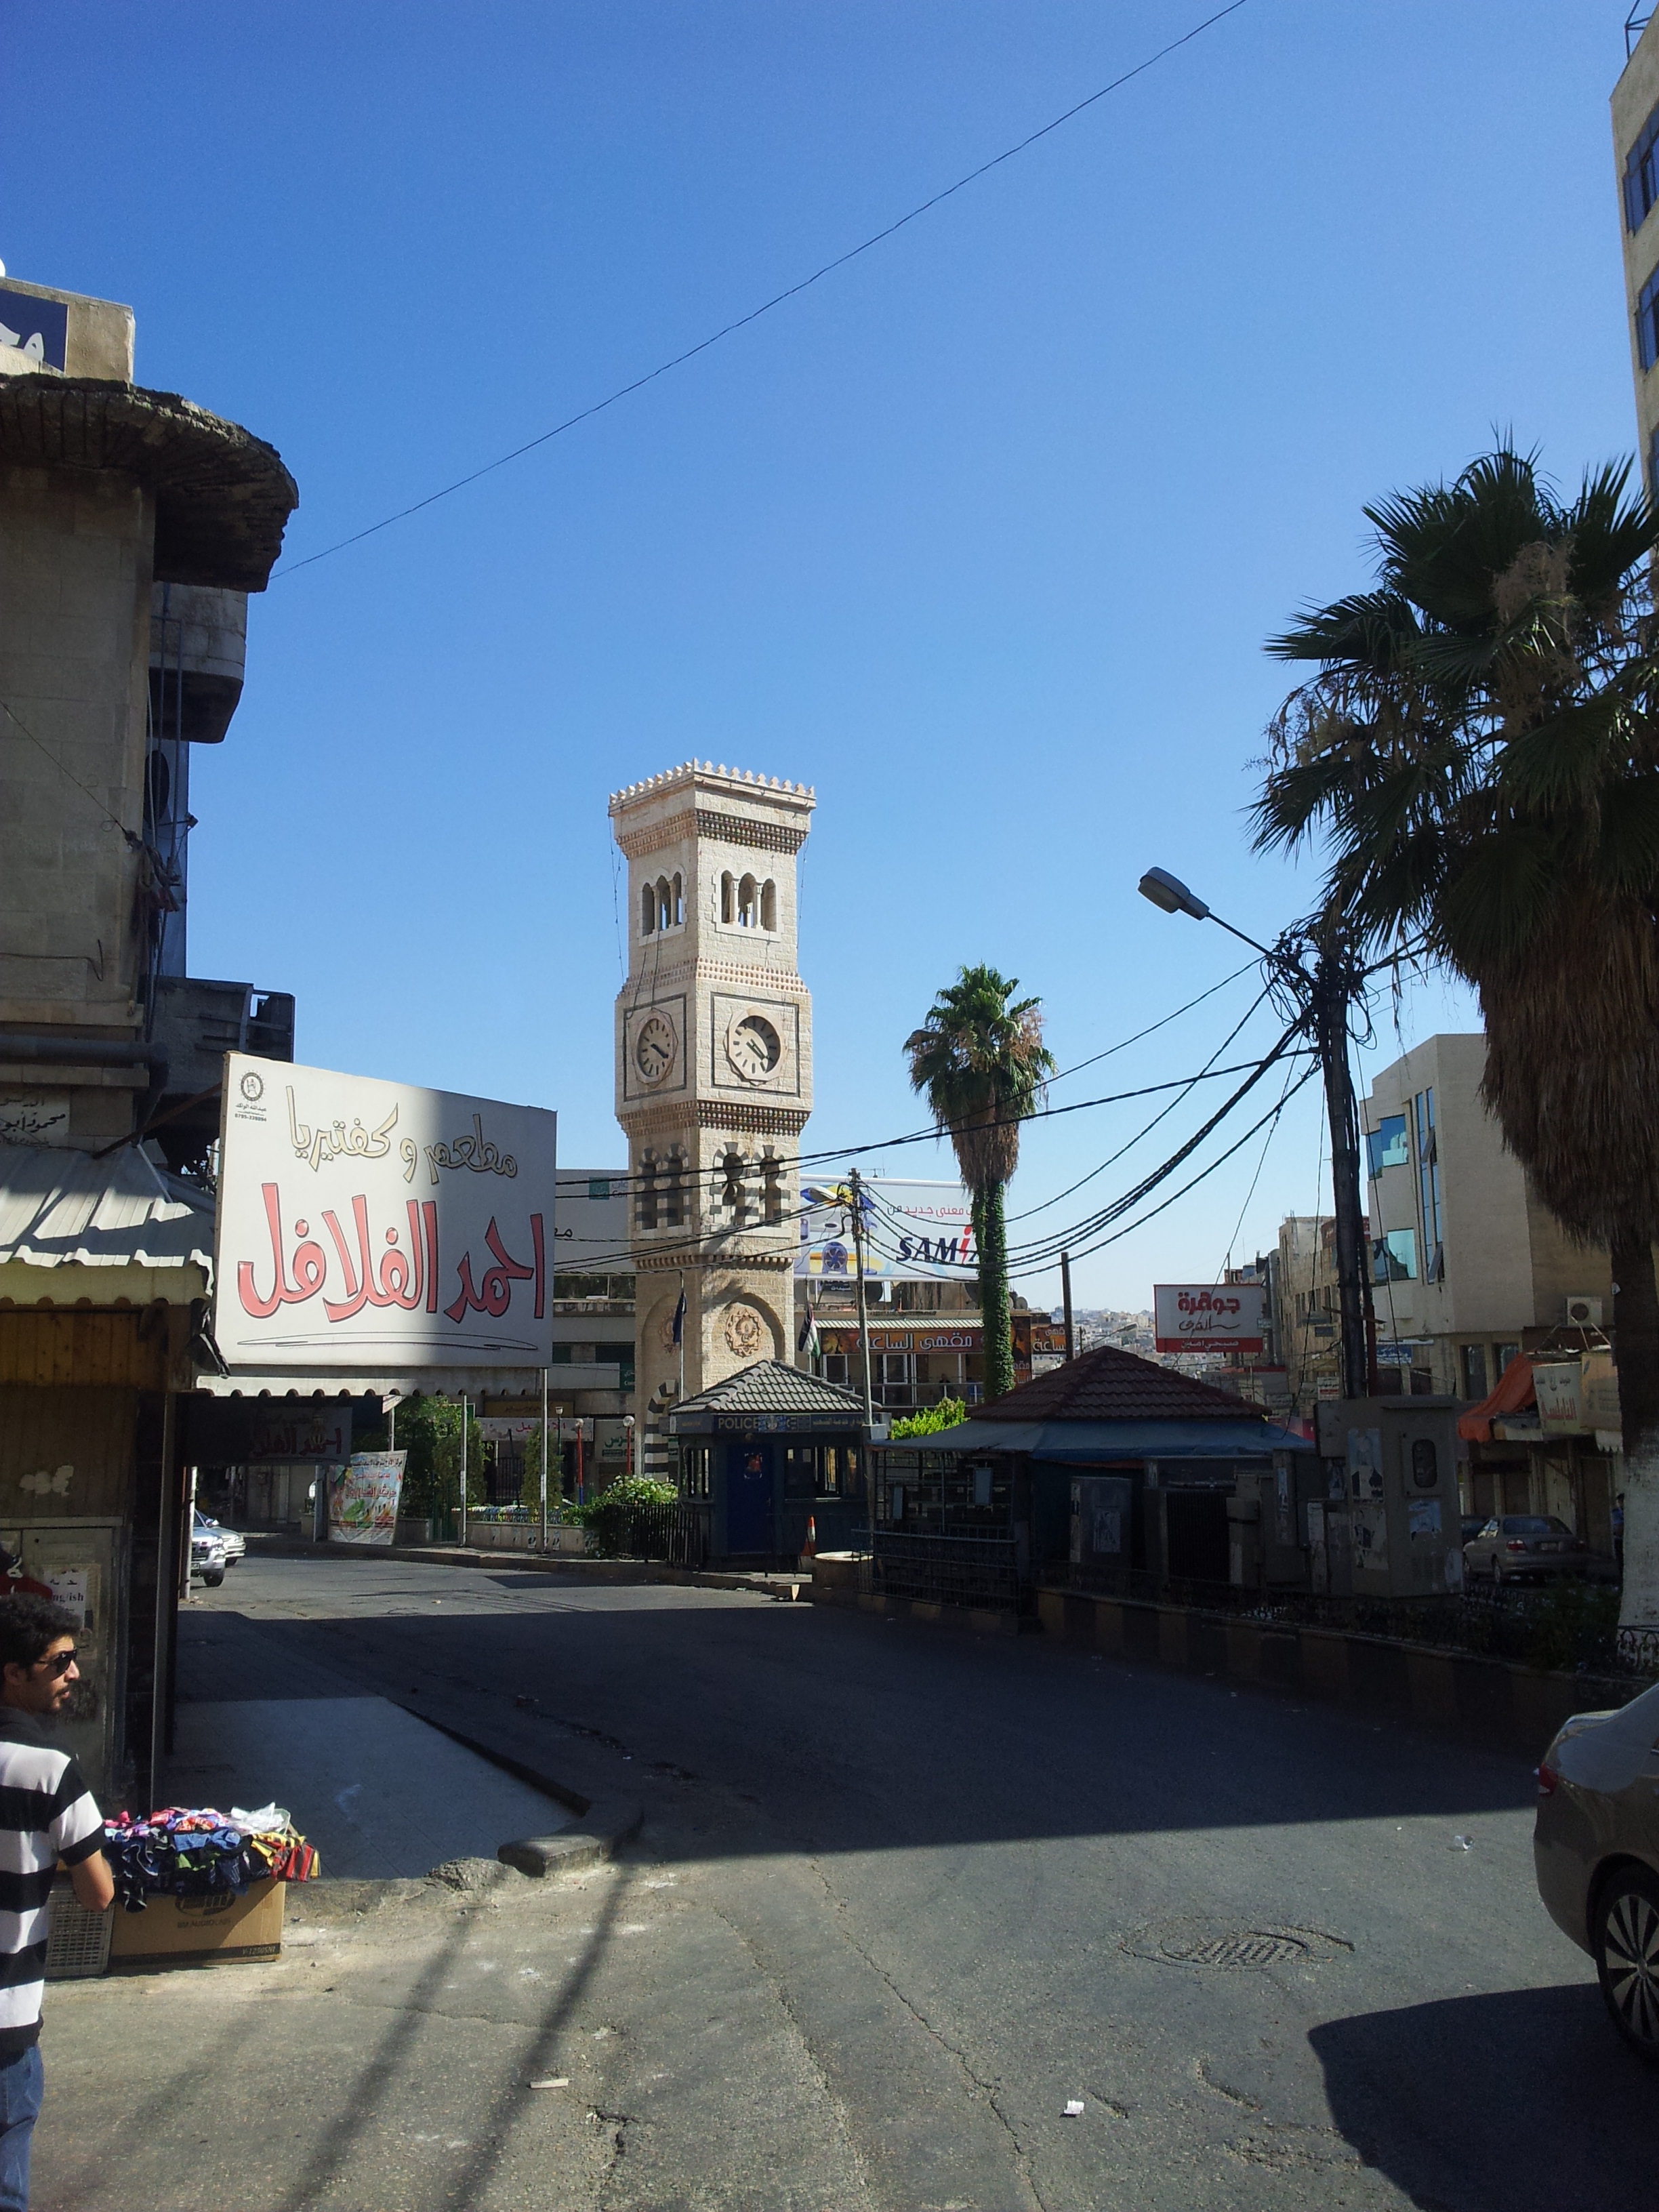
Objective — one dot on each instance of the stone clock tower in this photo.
(714, 1073)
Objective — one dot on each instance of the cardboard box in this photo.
(199, 1931)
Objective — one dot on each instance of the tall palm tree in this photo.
(1480, 751)
(980, 1062)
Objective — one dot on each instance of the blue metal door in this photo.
(749, 1515)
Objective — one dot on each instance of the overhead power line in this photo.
(778, 299)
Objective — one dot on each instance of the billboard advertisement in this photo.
(914, 1232)
(362, 1223)
(362, 1498)
(1209, 1316)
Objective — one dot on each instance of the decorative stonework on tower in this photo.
(714, 1073)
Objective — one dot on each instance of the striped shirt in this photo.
(46, 1813)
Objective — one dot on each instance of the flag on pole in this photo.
(808, 1339)
(679, 1319)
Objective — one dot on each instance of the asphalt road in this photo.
(901, 1895)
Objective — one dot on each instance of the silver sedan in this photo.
(1595, 1846)
(1524, 1547)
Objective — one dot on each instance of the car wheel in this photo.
(1497, 1578)
(1626, 1947)
(214, 1578)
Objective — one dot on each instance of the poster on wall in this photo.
(1209, 1316)
(914, 1232)
(362, 1223)
(362, 1498)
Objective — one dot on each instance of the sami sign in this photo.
(913, 1232)
(1209, 1316)
(362, 1222)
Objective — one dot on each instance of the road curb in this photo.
(785, 1588)
(604, 1826)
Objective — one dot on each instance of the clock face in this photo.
(753, 1047)
(655, 1047)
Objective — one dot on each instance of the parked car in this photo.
(1472, 1524)
(1595, 1848)
(234, 1541)
(1524, 1547)
(207, 1557)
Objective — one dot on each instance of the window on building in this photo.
(747, 894)
(1503, 1354)
(645, 1203)
(665, 903)
(647, 909)
(1642, 174)
(1473, 1358)
(1394, 1256)
(835, 1368)
(768, 904)
(894, 1378)
(677, 901)
(1386, 1144)
(697, 1470)
(731, 1182)
(1647, 322)
(771, 1190)
(1428, 1179)
(674, 1190)
(829, 1472)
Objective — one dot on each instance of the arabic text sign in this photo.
(1209, 1316)
(362, 1222)
(914, 1232)
(362, 1498)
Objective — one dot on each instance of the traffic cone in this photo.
(810, 1548)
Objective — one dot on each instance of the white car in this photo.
(207, 1556)
(233, 1540)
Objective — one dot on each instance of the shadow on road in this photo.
(1523, 2101)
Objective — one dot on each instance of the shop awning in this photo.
(60, 1208)
(1514, 1394)
(1084, 1443)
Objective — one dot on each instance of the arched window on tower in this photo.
(772, 1190)
(732, 1193)
(647, 909)
(746, 897)
(677, 906)
(644, 1198)
(768, 904)
(673, 1212)
(664, 904)
(728, 899)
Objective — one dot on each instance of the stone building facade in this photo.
(713, 1074)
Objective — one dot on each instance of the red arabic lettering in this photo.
(310, 1265)
(497, 1293)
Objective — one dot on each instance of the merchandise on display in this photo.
(193, 1850)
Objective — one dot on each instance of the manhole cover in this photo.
(1211, 1943)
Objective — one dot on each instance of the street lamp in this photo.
(1324, 992)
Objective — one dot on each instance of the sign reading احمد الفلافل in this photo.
(36, 328)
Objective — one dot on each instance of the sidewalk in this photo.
(793, 1584)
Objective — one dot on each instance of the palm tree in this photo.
(980, 1062)
(1480, 748)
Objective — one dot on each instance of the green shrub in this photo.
(946, 1415)
(609, 1518)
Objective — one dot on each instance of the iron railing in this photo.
(982, 1572)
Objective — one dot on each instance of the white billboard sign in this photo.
(1209, 1316)
(362, 1222)
(914, 1232)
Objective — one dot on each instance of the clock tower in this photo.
(714, 1045)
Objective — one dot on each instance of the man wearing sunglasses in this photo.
(46, 1816)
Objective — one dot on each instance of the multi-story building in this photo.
(1301, 1277)
(1636, 152)
(1468, 1268)
(714, 1073)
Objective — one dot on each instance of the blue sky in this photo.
(982, 536)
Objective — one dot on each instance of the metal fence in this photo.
(973, 1571)
(676, 1533)
(1572, 1625)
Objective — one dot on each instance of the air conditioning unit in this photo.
(1585, 1313)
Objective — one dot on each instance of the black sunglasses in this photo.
(59, 1663)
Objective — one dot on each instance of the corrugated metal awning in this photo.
(61, 1208)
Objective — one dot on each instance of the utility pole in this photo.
(1330, 991)
(545, 1449)
(864, 1315)
(463, 1516)
(1066, 1301)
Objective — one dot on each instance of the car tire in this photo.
(1625, 1940)
(1497, 1578)
(214, 1578)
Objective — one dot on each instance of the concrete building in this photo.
(1301, 1277)
(133, 527)
(713, 1073)
(1636, 154)
(1468, 1266)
